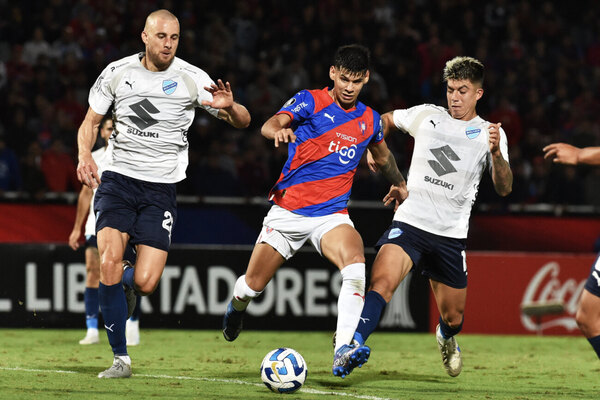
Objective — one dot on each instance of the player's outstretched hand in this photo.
(87, 171)
(397, 194)
(562, 153)
(285, 135)
(222, 95)
(494, 137)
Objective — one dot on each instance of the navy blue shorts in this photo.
(147, 211)
(592, 284)
(92, 241)
(440, 258)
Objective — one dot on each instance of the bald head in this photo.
(154, 17)
(161, 37)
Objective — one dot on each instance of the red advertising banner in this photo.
(501, 284)
(40, 223)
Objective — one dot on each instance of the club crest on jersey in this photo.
(169, 86)
(394, 233)
(363, 127)
(472, 133)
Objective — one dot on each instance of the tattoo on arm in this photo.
(391, 172)
(502, 176)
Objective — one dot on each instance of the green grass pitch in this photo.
(182, 364)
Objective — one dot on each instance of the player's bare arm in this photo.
(387, 126)
(276, 129)
(386, 163)
(87, 170)
(387, 123)
(501, 172)
(564, 153)
(231, 112)
(83, 208)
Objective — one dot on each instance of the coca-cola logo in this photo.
(545, 286)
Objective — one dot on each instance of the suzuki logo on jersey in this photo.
(443, 156)
(143, 109)
(169, 86)
(346, 153)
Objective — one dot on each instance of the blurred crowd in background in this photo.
(542, 62)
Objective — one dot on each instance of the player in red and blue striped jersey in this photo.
(327, 132)
(329, 141)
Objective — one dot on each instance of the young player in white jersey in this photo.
(154, 95)
(85, 209)
(588, 310)
(453, 149)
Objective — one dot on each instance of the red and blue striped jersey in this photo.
(317, 177)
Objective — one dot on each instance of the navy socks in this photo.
(114, 313)
(447, 331)
(92, 307)
(595, 342)
(374, 305)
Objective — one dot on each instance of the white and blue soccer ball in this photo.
(283, 370)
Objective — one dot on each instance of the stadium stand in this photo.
(543, 72)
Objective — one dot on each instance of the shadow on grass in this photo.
(358, 377)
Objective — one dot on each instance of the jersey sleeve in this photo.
(201, 81)
(299, 107)
(101, 94)
(404, 119)
(377, 128)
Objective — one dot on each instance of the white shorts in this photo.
(286, 232)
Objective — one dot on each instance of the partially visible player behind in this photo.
(453, 148)
(85, 211)
(588, 310)
(327, 132)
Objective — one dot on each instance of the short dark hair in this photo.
(105, 119)
(353, 58)
(464, 68)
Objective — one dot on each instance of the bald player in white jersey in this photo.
(454, 147)
(154, 95)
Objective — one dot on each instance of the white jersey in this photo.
(448, 162)
(153, 111)
(102, 158)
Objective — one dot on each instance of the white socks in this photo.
(125, 359)
(242, 294)
(350, 303)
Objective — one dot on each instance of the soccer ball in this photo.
(283, 370)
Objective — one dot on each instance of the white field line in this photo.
(193, 378)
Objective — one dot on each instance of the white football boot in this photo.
(132, 332)
(91, 337)
(119, 369)
(450, 353)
